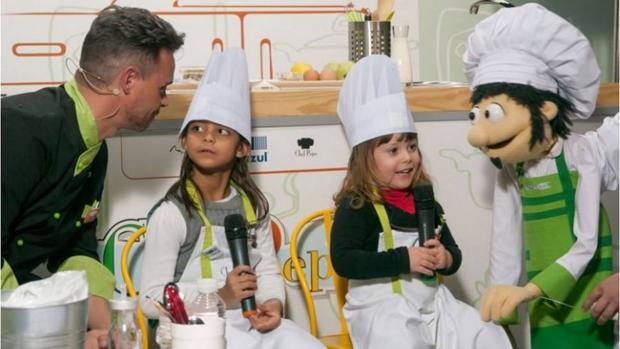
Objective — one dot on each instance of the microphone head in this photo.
(423, 197)
(235, 227)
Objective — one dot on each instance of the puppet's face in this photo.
(502, 129)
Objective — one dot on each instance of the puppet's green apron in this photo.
(548, 214)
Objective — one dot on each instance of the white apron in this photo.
(239, 332)
(421, 317)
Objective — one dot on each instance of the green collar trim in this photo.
(85, 117)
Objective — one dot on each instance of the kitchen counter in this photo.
(314, 103)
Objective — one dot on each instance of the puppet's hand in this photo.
(501, 300)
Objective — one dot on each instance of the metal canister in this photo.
(59, 326)
(369, 37)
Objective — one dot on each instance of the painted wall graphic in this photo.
(274, 34)
(298, 168)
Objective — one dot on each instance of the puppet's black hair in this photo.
(533, 99)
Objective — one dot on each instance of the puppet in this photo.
(531, 71)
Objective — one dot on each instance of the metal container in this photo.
(58, 326)
(369, 38)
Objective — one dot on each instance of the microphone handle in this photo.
(240, 256)
(426, 225)
(426, 231)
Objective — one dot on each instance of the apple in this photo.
(343, 69)
(331, 67)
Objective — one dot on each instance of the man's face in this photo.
(502, 130)
(150, 93)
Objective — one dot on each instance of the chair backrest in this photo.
(340, 284)
(129, 283)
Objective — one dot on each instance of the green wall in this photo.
(446, 24)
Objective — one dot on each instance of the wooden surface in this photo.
(314, 98)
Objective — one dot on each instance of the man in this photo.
(54, 154)
(603, 301)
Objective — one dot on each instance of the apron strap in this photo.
(567, 189)
(388, 240)
(205, 262)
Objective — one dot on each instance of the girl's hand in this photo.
(442, 256)
(240, 283)
(269, 316)
(421, 260)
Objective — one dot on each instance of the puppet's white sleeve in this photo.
(605, 141)
(506, 236)
(554, 280)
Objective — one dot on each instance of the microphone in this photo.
(425, 209)
(237, 236)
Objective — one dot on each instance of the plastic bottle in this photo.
(207, 303)
(124, 332)
(400, 52)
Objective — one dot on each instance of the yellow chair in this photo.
(334, 341)
(130, 288)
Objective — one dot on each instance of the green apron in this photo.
(194, 194)
(548, 214)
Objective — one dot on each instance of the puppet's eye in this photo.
(494, 112)
(474, 113)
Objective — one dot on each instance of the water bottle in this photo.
(208, 303)
(124, 332)
(400, 52)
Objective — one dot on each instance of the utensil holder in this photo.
(369, 37)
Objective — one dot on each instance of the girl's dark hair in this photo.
(240, 175)
(361, 183)
(533, 99)
(126, 35)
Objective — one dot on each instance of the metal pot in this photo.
(58, 326)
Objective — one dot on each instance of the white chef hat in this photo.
(223, 94)
(533, 46)
(372, 102)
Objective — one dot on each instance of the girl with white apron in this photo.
(388, 305)
(185, 238)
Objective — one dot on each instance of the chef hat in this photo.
(223, 94)
(372, 102)
(530, 45)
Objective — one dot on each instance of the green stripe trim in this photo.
(545, 214)
(544, 207)
(531, 201)
(604, 240)
(595, 266)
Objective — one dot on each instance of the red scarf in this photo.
(402, 199)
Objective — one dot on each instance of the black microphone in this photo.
(237, 236)
(425, 209)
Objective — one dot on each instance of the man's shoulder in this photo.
(45, 105)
